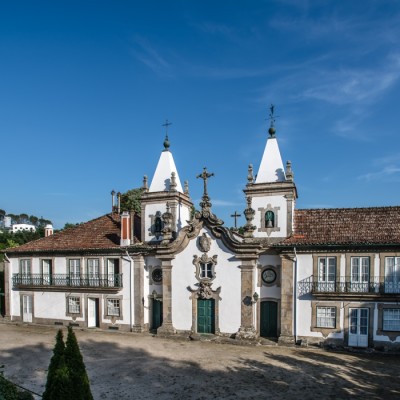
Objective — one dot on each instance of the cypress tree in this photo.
(56, 362)
(79, 386)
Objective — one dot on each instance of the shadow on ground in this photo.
(193, 370)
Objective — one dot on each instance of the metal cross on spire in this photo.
(205, 175)
(236, 215)
(166, 141)
(272, 118)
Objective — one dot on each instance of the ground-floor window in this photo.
(113, 307)
(326, 317)
(74, 305)
(391, 319)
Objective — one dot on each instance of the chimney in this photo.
(126, 229)
(48, 230)
(119, 202)
(112, 201)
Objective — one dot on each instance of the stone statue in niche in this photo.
(204, 243)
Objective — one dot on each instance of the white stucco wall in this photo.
(228, 277)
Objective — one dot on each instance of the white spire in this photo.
(271, 167)
(162, 177)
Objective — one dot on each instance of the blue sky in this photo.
(85, 87)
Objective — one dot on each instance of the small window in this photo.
(113, 307)
(74, 305)
(93, 267)
(326, 317)
(156, 275)
(269, 219)
(391, 319)
(157, 225)
(206, 270)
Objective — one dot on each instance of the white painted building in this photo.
(322, 275)
(23, 227)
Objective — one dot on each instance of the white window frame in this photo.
(206, 270)
(113, 307)
(74, 305)
(392, 274)
(25, 266)
(326, 273)
(391, 319)
(46, 270)
(360, 274)
(326, 317)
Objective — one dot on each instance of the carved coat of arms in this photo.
(204, 243)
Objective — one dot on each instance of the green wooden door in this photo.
(269, 319)
(205, 316)
(157, 319)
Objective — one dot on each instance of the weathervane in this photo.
(272, 118)
(166, 141)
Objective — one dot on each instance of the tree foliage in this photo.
(131, 200)
(67, 378)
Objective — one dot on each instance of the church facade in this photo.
(294, 276)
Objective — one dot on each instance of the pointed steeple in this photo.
(165, 169)
(271, 167)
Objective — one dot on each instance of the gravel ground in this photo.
(140, 366)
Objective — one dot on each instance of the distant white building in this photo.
(23, 227)
(7, 222)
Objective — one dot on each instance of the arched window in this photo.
(269, 219)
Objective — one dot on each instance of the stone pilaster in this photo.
(7, 291)
(138, 295)
(166, 328)
(287, 335)
(247, 329)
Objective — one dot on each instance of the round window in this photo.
(157, 275)
(268, 275)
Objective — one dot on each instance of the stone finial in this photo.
(289, 172)
(186, 188)
(166, 140)
(172, 185)
(272, 129)
(249, 213)
(205, 203)
(250, 177)
(167, 218)
(145, 183)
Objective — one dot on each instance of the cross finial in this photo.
(272, 118)
(205, 175)
(166, 141)
(236, 215)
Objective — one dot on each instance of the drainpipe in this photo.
(295, 297)
(130, 289)
(8, 284)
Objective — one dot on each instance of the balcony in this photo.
(67, 282)
(346, 287)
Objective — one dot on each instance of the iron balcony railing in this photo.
(349, 285)
(78, 281)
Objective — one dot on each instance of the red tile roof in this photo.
(374, 225)
(99, 233)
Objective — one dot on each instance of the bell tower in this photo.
(272, 190)
(166, 206)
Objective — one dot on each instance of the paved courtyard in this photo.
(132, 366)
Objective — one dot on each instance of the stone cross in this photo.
(205, 175)
(166, 124)
(236, 215)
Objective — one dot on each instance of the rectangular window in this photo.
(25, 267)
(206, 270)
(46, 272)
(326, 274)
(359, 274)
(74, 269)
(392, 274)
(93, 272)
(74, 305)
(391, 319)
(113, 271)
(326, 317)
(113, 307)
